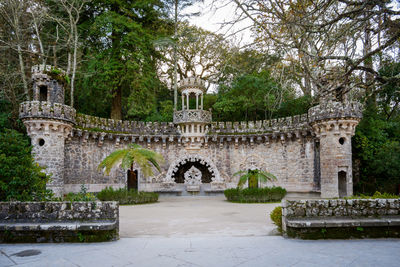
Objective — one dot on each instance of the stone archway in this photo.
(207, 162)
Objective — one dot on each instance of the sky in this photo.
(213, 15)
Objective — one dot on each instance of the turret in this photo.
(334, 124)
(48, 122)
(192, 121)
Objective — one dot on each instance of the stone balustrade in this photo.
(335, 110)
(47, 110)
(187, 116)
(59, 221)
(341, 218)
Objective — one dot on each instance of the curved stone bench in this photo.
(31, 222)
(341, 218)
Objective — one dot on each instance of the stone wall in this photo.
(354, 217)
(290, 160)
(58, 221)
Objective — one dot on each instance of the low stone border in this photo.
(340, 218)
(37, 222)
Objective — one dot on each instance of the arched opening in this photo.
(342, 177)
(132, 180)
(43, 93)
(206, 175)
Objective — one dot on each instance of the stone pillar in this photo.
(187, 101)
(201, 101)
(336, 156)
(334, 124)
(183, 102)
(48, 139)
(197, 101)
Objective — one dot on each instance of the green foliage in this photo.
(127, 197)
(21, 178)
(255, 195)
(276, 217)
(146, 159)
(253, 177)
(254, 96)
(120, 58)
(376, 195)
(83, 195)
(376, 144)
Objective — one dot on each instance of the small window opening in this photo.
(41, 142)
(43, 93)
(342, 140)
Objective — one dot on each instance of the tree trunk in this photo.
(116, 106)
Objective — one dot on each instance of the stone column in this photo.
(197, 101)
(336, 156)
(187, 101)
(201, 101)
(183, 102)
(48, 139)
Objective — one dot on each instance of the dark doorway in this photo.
(132, 180)
(43, 93)
(342, 177)
(206, 175)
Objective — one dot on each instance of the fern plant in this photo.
(146, 159)
(253, 177)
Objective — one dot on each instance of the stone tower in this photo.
(48, 122)
(334, 124)
(192, 120)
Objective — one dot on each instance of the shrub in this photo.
(255, 195)
(21, 178)
(276, 217)
(374, 196)
(83, 195)
(126, 197)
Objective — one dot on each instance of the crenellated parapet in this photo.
(192, 82)
(335, 110)
(46, 110)
(284, 125)
(87, 122)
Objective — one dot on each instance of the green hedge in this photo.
(255, 195)
(126, 197)
(276, 217)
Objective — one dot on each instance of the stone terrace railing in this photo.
(335, 110)
(46, 110)
(58, 221)
(128, 127)
(183, 116)
(288, 124)
(341, 218)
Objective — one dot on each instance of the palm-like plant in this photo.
(146, 159)
(254, 175)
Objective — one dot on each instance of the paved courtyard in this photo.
(196, 216)
(203, 232)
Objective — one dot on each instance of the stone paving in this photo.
(221, 244)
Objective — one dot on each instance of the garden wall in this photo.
(341, 218)
(37, 222)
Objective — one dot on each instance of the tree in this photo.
(120, 55)
(253, 177)
(144, 158)
(253, 96)
(319, 40)
(21, 179)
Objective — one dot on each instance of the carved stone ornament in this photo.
(192, 176)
